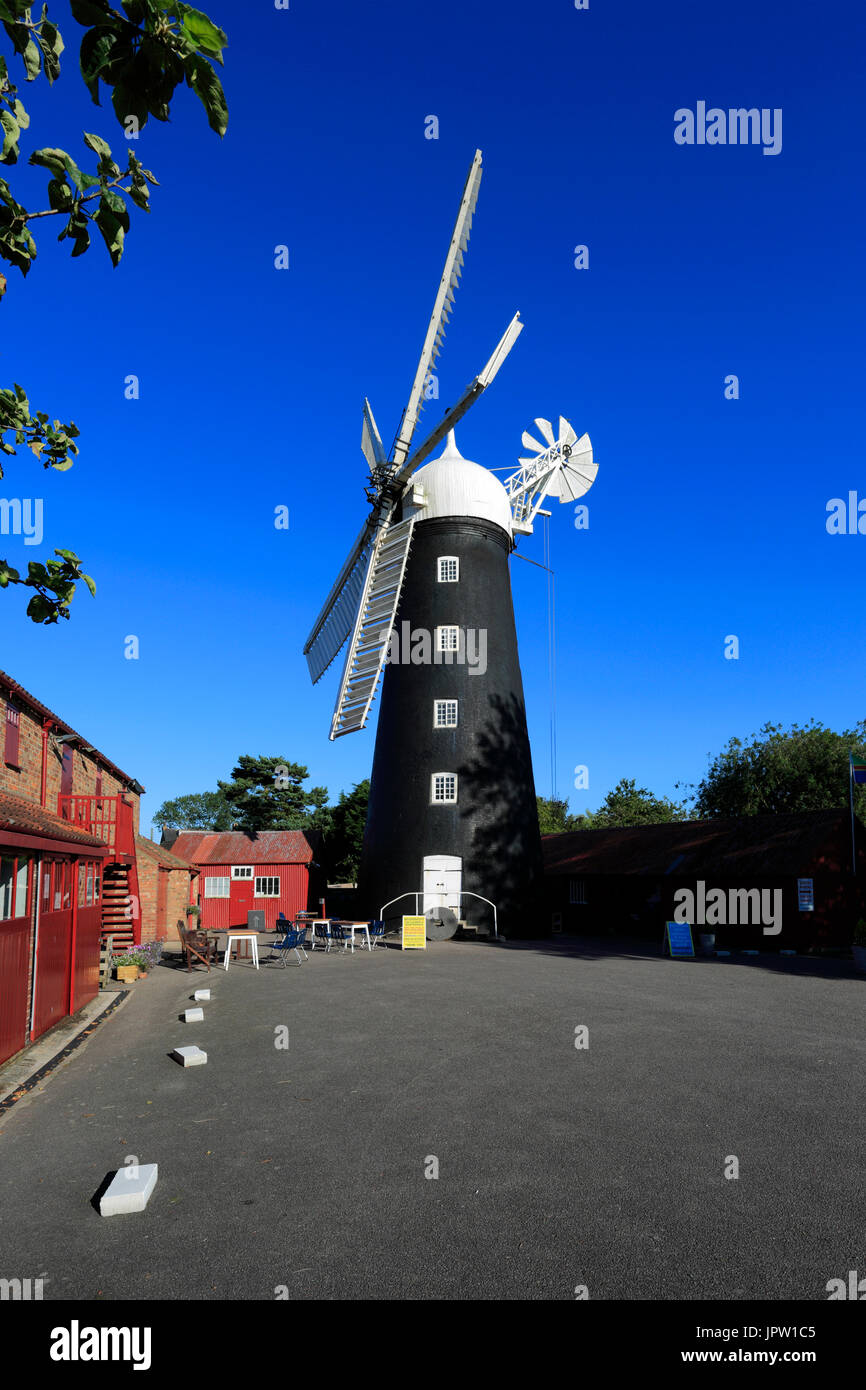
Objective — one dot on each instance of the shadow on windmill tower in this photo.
(505, 839)
(424, 600)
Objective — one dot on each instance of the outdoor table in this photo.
(242, 935)
(313, 923)
(352, 927)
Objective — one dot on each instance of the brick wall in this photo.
(177, 892)
(26, 779)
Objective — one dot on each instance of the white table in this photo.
(250, 936)
(352, 927)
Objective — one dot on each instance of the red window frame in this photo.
(12, 743)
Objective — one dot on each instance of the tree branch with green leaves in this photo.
(141, 55)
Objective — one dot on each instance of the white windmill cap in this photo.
(455, 486)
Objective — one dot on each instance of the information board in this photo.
(256, 919)
(678, 939)
(806, 894)
(414, 934)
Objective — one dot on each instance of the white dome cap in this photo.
(455, 486)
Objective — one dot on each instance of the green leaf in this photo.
(8, 575)
(42, 610)
(59, 195)
(91, 584)
(11, 133)
(204, 33)
(32, 60)
(90, 11)
(97, 47)
(140, 194)
(112, 227)
(67, 555)
(207, 87)
(21, 115)
(58, 161)
(97, 144)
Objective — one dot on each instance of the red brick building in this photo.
(166, 884)
(275, 870)
(69, 867)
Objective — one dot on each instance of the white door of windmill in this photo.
(443, 880)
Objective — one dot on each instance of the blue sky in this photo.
(708, 515)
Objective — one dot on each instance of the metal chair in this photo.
(292, 941)
(377, 935)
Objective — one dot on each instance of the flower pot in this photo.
(127, 973)
(860, 958)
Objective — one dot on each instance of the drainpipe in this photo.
(36, 910)
(46, 725)
(75, 864)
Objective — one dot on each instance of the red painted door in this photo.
(14, 953)
(241, 900)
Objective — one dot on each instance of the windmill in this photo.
(452, 803)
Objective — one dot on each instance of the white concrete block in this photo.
(129, 1190)
(193, 1015)
(190, 1056)
(202, 994)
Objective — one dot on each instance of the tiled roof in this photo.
(787, 844)
(158, 852)
(234, 847)
(30, 819)
(25, 697)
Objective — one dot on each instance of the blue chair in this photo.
(292, 941)
(377, 935)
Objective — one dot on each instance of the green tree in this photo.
(554, 816)
(629, 804)
(266, 794)
(197, 811)
(797, 769)
(346, 834)
(141, 55)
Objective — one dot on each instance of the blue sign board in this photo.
(678, 939)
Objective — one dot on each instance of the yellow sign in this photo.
(414, 934)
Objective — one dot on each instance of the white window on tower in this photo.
(444, 714)
(447, 639)
(242, 870)
(448, 569)
(444, 788)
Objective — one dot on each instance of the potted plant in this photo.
(127, 967)
(859, 947)
(193, 912)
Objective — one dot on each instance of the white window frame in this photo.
(242, 870)
(443, 800)
(577, 892)
(259, 892)
(453, 630)
(446, 707)
(442, 567)
(217, 886)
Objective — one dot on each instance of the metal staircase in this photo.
(377, 610)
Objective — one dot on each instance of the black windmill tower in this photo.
(425, 597)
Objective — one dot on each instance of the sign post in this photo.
(414, 937)
(678, 942)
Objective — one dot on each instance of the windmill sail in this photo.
(441, 310)
(340, 608)
(376, 611)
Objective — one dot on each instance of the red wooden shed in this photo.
(275, 871)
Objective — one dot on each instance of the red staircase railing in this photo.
(109, 818)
